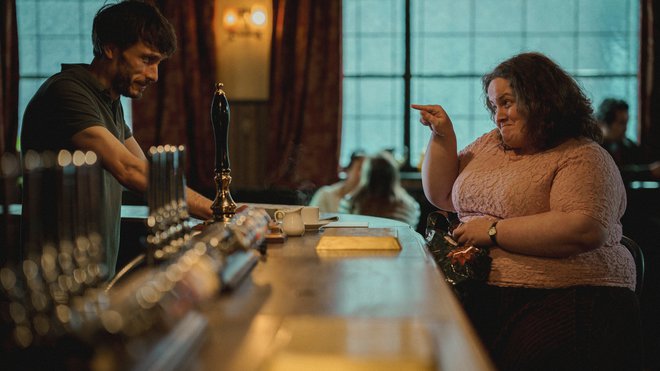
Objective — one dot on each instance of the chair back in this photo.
(638, 256)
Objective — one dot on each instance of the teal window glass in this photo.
(453, 43)
(52, 32)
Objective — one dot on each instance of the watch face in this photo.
(492, 231)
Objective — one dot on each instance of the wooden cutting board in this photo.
(359, 239)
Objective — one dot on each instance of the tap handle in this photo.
(220, 121)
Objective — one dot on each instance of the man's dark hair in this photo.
(555, 106)
(126, 23)
(608, 109)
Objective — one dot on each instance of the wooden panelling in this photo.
(248, 141)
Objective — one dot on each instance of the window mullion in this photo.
(407, 92)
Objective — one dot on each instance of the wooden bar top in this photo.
(351, 310)
(306, 309)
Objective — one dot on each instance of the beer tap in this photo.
(223, 206)
(174, 227)
(97, 269)
(182, 205)
(153, 203)
(38, 199)
(65, 187)
(84, 252)
(9, 169)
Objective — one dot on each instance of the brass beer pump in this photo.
(223, 206)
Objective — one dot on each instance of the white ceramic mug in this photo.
(310, 215)
(292, 222)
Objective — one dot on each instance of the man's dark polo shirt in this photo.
(67, 103)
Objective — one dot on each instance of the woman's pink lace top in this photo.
(576, 176)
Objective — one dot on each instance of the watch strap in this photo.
(492, 232)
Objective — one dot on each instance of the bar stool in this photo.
(638, 256)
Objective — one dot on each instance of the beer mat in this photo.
(347, 225)
(359, 239)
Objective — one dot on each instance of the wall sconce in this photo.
(245, 22)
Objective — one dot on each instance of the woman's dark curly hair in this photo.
(553, 103)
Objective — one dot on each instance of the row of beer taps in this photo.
(51, 286)
(57, 286)
(168, 221)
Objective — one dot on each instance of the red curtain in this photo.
(176, 110)
(8, 77)
(305, 93)
(649, 78)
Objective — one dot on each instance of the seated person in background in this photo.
(380, 193)
(613, 117)
(546, 199)
(327, 197)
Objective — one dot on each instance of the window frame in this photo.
(408, 76)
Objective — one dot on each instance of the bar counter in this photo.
(306, 309)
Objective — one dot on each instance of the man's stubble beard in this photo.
(122, 81)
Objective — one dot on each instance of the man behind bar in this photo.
(79, 107)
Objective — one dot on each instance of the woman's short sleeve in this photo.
(587, 181)
(480, 144)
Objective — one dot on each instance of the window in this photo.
(51, 32)
(439, 56)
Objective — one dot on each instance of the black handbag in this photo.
(462, 266)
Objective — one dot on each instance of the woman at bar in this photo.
(546, 199)
(327, 197)
(380, 192)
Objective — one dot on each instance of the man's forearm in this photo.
(198, 205)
